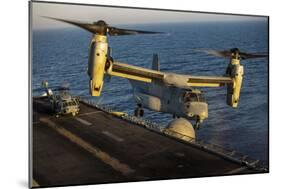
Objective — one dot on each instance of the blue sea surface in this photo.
(61, 55)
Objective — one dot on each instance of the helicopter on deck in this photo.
(62, 102)
(172, 93)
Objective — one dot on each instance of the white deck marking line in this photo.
(34, 183)
(237, 170)
(118, 139)
(90, 113)
(83, 121)
(103, 156)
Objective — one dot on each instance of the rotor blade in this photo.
(89, 27)
(253, 55)
(229, 53)
(118, 31)
(65, 84)
(215, 53)
(37, 89)
(61, 89)
(94, 28)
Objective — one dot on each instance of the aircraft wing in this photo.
(135, 72)
(171, 79)
(184, 81)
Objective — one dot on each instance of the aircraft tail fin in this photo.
(155, 62)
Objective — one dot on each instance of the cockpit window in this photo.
(64, 104)
(70, 103)
(193, 97)
(190, 97)
(201, 98)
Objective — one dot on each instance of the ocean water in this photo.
(61, 55)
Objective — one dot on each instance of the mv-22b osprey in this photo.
(159, 91)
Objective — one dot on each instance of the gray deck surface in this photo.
(96, 147)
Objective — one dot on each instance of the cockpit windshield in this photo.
(193, 97)
(69, 103)
(201, 98)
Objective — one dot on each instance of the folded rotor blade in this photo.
(61, 89)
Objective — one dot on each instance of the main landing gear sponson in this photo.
(139, 112)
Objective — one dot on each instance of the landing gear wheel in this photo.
(139, 112)
(196, 126)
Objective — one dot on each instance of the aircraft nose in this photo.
(200, 109)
